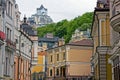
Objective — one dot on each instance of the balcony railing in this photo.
(10, 43)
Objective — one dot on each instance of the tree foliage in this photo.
(66, 28)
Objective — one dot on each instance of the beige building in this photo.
(115, 38)
(56, 65)
(101, 37)
(78, 56)
(70, 62)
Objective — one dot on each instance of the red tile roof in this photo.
(84, 42)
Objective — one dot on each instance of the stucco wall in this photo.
(79, 60)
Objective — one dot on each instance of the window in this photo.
(7, 66)
(8, 33)
(74, 78)
(64, 72)
(15, 69)
(57, 57)
(64, 56)
(57, 71)
(51, 58)
(9, 10)
(116, 68)
(51, 72)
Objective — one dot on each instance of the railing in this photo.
(10, 43)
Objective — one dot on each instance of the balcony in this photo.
(11, 44)
(115, 22)
(2, 35)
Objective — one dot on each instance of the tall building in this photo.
(101, 36)
(8, 45)
(40, 18)
(18, 44)
(115, 38)
(30, 49)
(2, 39)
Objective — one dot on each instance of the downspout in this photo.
(66, 68)
(19, 56)
(45, 65)
(31, 61)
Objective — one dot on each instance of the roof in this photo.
(104, 2)
(41, 7)
(27, 28)
(44, 39)
(84, 42)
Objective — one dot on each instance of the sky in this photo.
(57, 9)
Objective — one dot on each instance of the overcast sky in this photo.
(57, 9)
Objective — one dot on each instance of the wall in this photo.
(78, 59)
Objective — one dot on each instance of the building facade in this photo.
(101, 36)
(115, 38)
(56, 63)
(7, 9)
(45, 43)
(18, 44)
(78, 55)
(28, 47)
(2, 39)
(69, 62)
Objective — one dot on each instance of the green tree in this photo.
(66, 28)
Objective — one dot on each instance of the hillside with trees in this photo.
(66, 28)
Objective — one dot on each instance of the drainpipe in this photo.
(18, 74)
(31, 60)
(66, 69)
(45, 65)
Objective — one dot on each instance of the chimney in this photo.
(25, 19)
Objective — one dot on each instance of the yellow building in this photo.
(101, 37)
(38, 70)
(70, 62)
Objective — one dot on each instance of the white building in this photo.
(18, 44)
(7, 11)
(2, 38)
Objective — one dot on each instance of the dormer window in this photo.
(100, 4)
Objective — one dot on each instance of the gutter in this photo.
(31, 60)
(19, 56)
